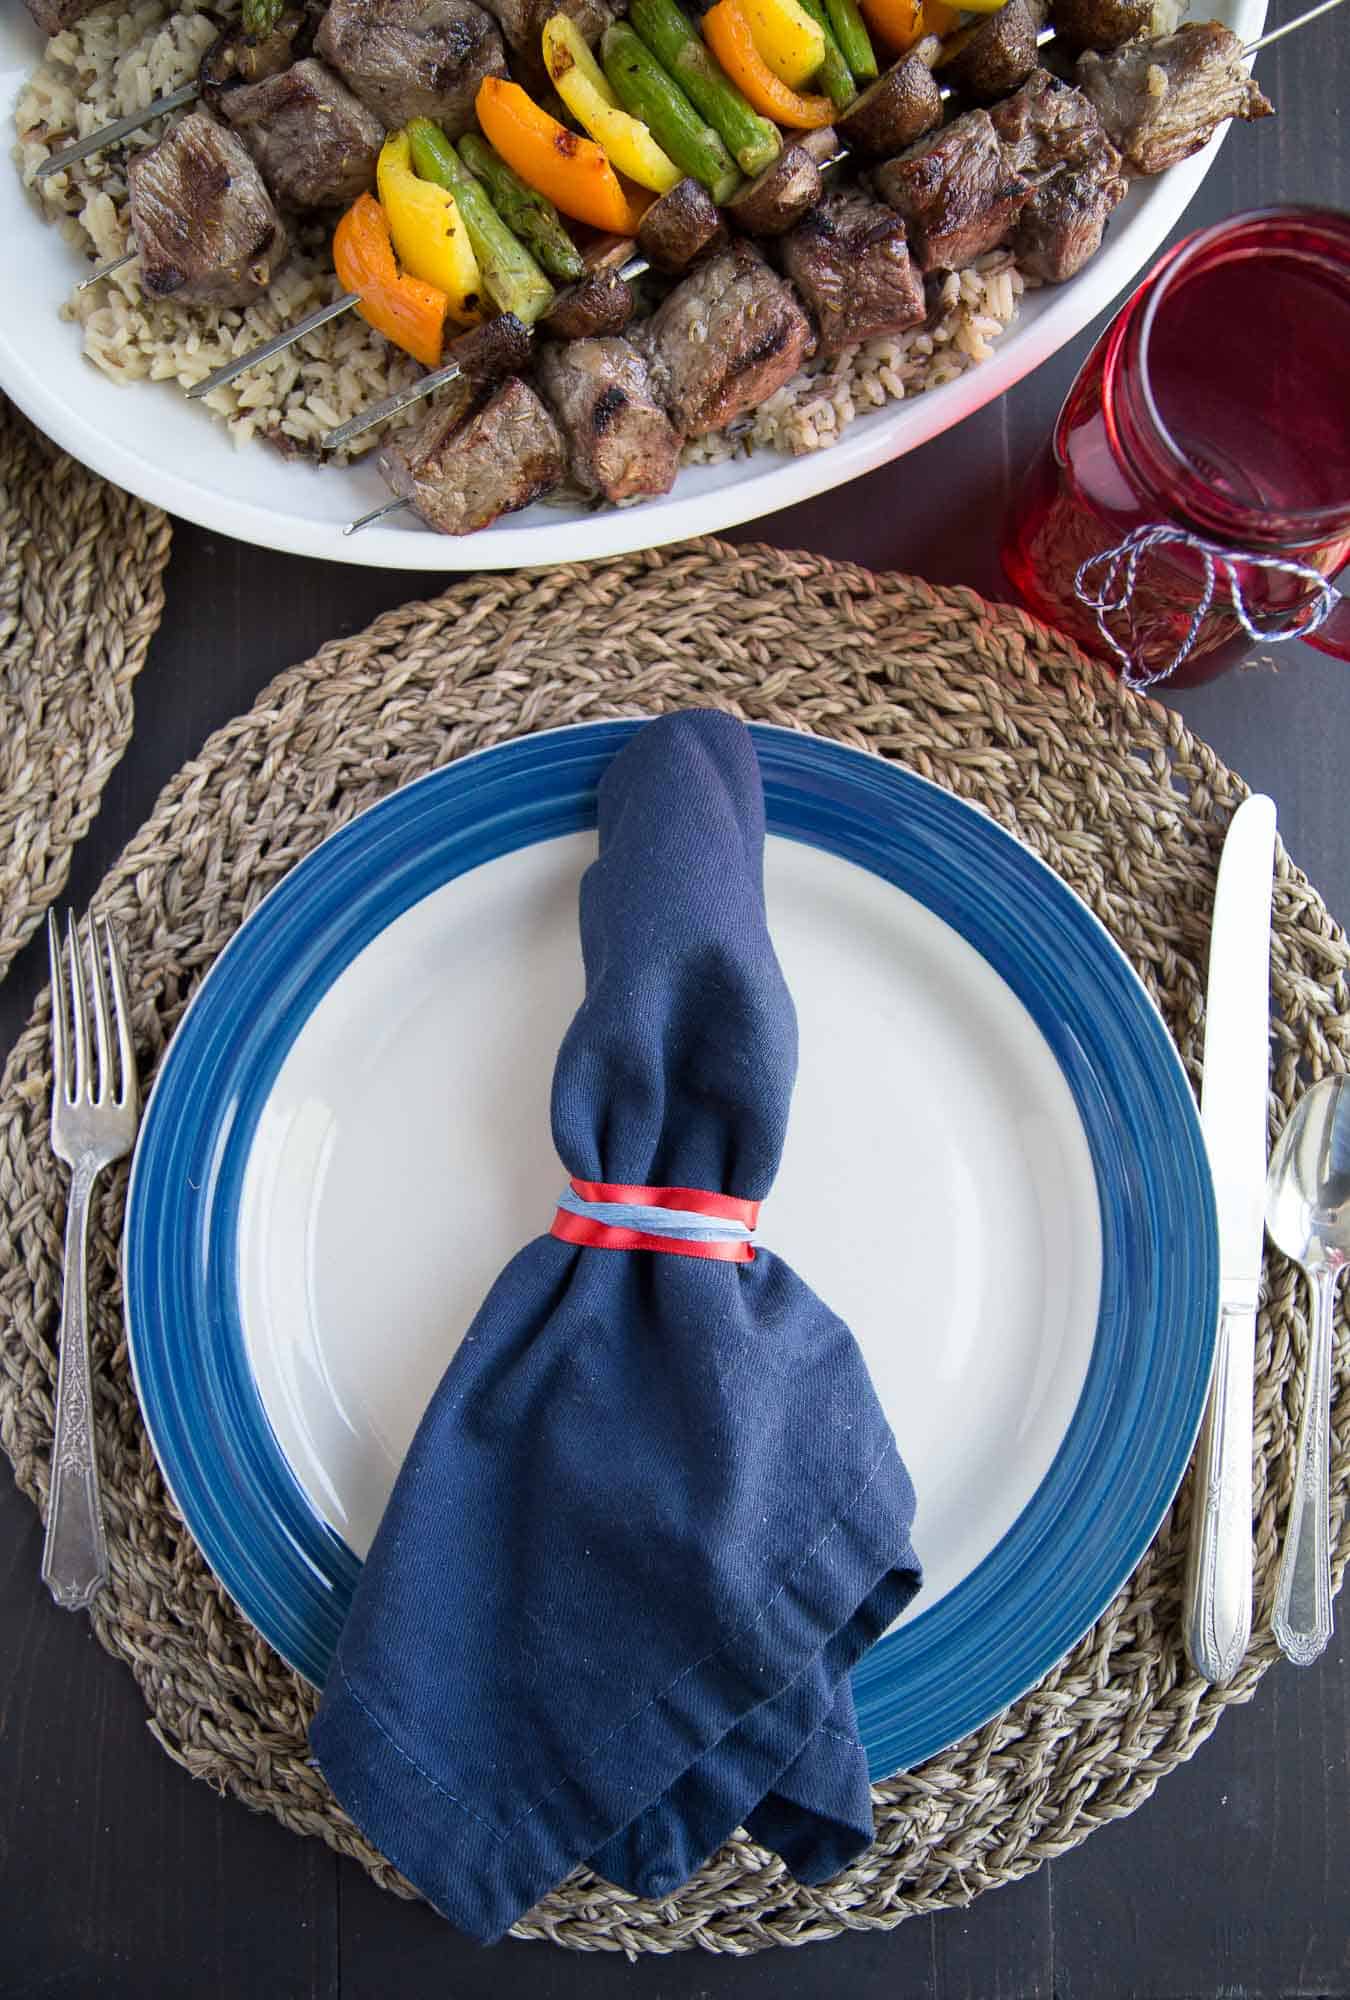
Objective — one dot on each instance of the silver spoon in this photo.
(1308, 1218)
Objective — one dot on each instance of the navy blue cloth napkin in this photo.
(654, 1512)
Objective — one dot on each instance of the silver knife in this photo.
(1218, 1591)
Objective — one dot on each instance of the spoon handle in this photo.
(1301, 1620)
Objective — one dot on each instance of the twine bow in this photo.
(1106, 582)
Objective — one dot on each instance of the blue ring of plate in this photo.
(1127, 1445)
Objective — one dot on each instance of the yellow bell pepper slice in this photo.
(791, 43)
(404, 309)
(428, 231)
(573, 172)
(727, 33)
(585, 90)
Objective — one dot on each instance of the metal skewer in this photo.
(375, 514)
(108, 135)
(279, 341)
(106, 270)
(1298, 21)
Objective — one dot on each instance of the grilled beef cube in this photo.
(53, 15)
(957, 190)
(463, 475)
(850, 262)
(236, 57)
(204, 223)
(619, 438)
(598, 304)
(413, 58)
(1062, 226)
(1049, 125)
(522, 23)
(724, 340)
(315, 143)
(680, 226)
(1162, 100)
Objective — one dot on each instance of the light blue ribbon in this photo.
(681, 1222)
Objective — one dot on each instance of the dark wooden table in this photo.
(121, 1876)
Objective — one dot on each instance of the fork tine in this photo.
(60, 1018)
(75, 973)
(105, 1090)
(122, 1010)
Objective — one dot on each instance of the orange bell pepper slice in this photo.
(897, 23)
(573, 172)
(727, 33)
(405, 310)
(902, 23)
(938, 18)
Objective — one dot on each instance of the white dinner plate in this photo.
(150, 440)
(993, 1171)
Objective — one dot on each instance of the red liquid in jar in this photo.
(1248, 366)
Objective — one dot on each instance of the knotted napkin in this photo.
(654, 1512)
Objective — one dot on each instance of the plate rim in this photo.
(532, 539)
(980, 826)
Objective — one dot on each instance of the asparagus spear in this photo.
(530, 215)
(834, 76)
(850, 31)
(754, 141)
(646, 92)
(261, 16)
(511, 278)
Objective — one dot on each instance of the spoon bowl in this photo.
(1308, 1218)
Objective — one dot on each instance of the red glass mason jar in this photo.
(1214, 410)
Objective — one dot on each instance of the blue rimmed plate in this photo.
(994, 1171)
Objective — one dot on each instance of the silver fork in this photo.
(95, 1106)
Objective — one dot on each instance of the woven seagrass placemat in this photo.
(81, 592)
(1113, 792)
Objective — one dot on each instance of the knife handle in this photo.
(1217, 1616)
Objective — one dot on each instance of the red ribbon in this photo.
(593, 1235)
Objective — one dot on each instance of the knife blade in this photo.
(1218, 1590)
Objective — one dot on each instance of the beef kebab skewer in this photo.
(968, 187)
(1044, 112)
(614, 410)
(1203, 83)
(256, 49)
(261, 46)
(998, 52)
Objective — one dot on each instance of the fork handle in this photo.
(75, 1553)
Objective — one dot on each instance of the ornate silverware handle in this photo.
(1301, 1620)
(1218, 1600)
(75, 1553)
